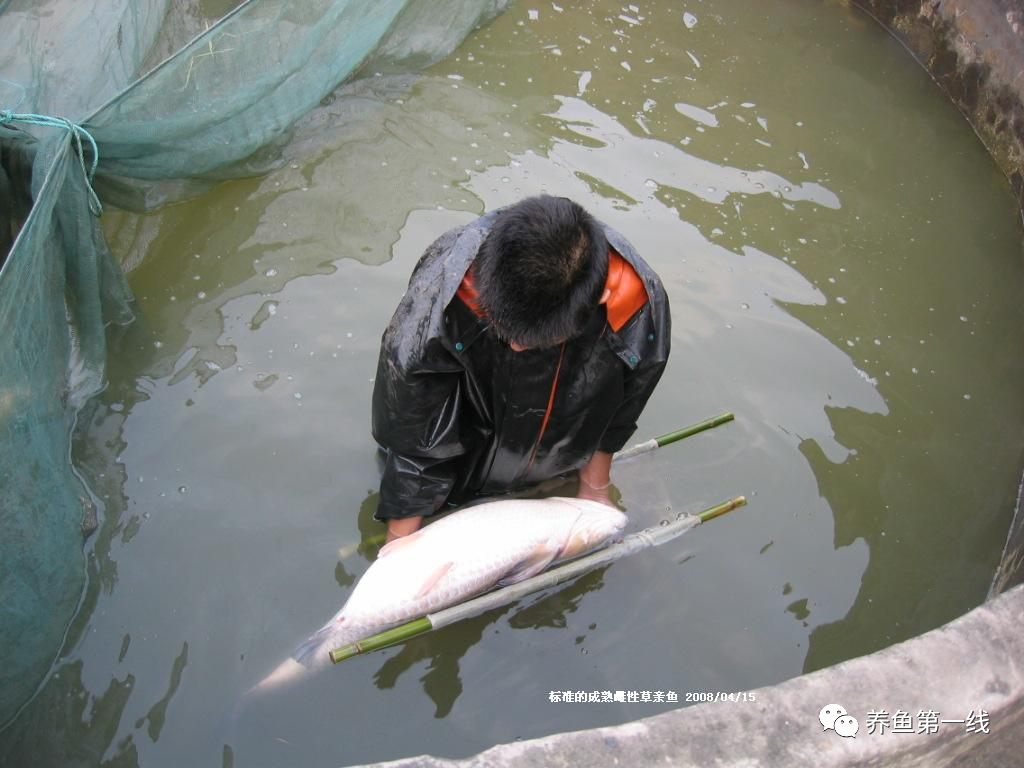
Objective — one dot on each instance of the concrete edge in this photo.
(1011, 565)
(941, 671)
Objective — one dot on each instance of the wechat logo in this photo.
(834, 717)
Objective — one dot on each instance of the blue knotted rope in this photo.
(77, 132)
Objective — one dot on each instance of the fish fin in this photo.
(396, 544)
(435, 576)
(539, 559)
(306, 651)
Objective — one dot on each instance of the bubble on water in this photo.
(663, 523)
(201, 295)
(963, 319)
(297, 395)
(534, 14)
(271, 272)
(840, 300)
(744, 305)
(728, 326)
(158, 344)
(183, 489)
(689, 20)
(967, 397)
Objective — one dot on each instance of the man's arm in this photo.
(650, 337)
(415, 418)
(403, 526)
(595, 478)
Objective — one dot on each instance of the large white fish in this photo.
(458, 557)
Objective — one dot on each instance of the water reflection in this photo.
(646, 166)
(238, 255)
(69, 726)
(443, 650)
(155, 718)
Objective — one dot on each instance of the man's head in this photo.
(541, 271)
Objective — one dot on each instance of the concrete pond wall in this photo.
(974, 50)
(976, 659)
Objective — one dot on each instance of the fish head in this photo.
(595, 524)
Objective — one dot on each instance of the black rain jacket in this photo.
(458, 413)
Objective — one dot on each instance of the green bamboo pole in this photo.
(634, 542)
(671, 437)
(625, 453)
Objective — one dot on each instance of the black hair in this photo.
(541, 270)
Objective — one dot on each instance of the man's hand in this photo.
(399, 527)
(595, 478)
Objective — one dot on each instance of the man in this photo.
(526, 346)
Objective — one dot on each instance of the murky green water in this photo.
(844, 265)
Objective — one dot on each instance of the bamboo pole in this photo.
(625, 453)
(634, 542)
(671, 437)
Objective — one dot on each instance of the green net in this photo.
(175, 98)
